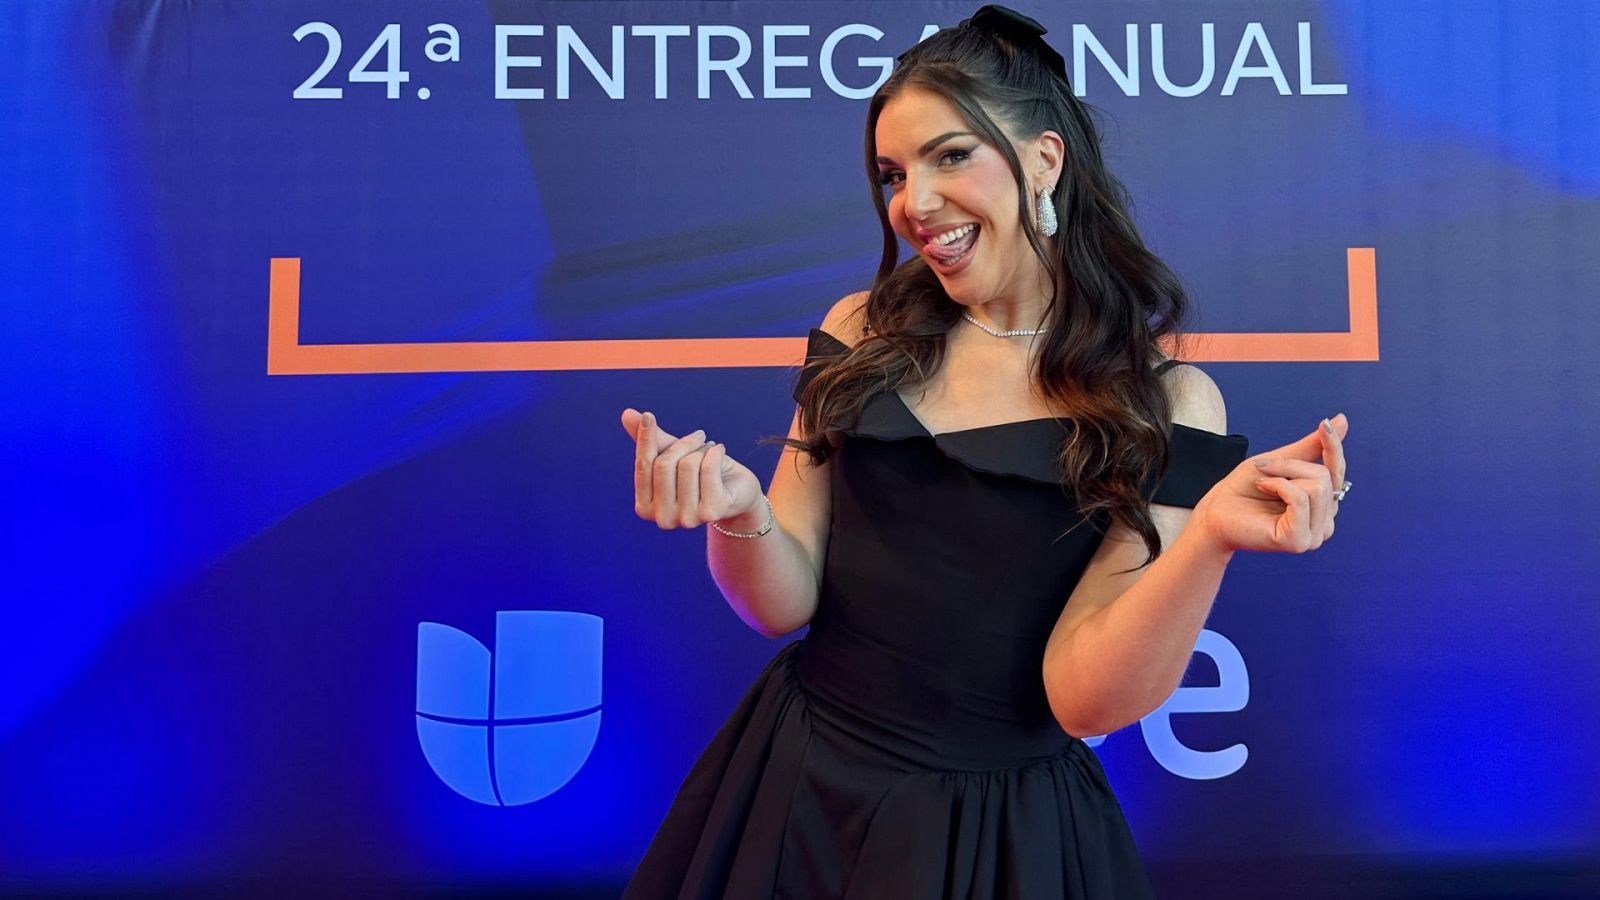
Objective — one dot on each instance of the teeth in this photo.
(956, 235)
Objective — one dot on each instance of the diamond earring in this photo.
(1047, 214)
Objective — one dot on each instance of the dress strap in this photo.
(1169, 364)
(820, 348)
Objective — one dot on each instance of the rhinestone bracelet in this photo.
(750, 534)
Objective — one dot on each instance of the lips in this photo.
(953, 250)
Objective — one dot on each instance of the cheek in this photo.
(999, 191)
(897, 216)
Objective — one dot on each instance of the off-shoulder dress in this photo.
(904, 748)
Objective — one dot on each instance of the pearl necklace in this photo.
(1015, 332)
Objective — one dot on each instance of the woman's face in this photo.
(941, 178)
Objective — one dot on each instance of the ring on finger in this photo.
(1343, 489)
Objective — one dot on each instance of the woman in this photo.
(1003, 514)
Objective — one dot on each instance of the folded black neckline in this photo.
(1027, 448)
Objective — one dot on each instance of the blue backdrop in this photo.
(217, 574)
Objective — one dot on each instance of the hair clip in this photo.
(1017, 28)
(1002, 20)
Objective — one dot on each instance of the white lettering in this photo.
(504, 62)
(1126, 78)
(1125, 71)
(706, 65)
(771, 61)
(1255, 36)
(661, 33)
(568, 42)
(1307, 86)
(885, 63)
(450, 44)
(1208, 63)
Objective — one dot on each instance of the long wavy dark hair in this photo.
(1112, 298)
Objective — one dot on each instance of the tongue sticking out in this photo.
(947, 252)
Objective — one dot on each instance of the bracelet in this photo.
(750, 534)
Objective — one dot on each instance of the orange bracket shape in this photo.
(287, 356)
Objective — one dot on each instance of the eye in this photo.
(888, 177)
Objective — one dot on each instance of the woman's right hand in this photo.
(685, 482)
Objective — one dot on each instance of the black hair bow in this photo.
(1019, 30)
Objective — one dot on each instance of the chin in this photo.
(965, 288)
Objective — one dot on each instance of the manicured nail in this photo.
(648, 420)
(1263, 463)
(1328, 427)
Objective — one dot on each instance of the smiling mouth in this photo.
(951, 253)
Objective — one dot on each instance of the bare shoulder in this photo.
(847, 318)
(1196, 400)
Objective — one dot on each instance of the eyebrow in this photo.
(929, 146)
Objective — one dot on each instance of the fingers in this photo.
(1292, 530)
(1311, 447)
(649, 442)
(1314, 478)
(664, 477)
(644, 458)
(1333, 446)
(1314, 482)
(688, 479)
(713, 494)
(672, 475)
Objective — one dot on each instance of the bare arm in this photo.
(1123, 641)
(771, 581)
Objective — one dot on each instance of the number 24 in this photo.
(391, 76)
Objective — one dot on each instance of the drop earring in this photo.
(1047, 214)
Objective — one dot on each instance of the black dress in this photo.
(905, 748)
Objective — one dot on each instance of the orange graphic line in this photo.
(287, 356)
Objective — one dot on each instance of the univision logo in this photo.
(542, 683)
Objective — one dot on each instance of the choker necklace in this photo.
(1015, 332)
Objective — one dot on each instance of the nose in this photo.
(922, 199)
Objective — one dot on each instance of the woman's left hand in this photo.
(1281, 500)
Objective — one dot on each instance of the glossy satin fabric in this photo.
(905, 747)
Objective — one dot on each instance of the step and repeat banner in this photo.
(320, 567)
